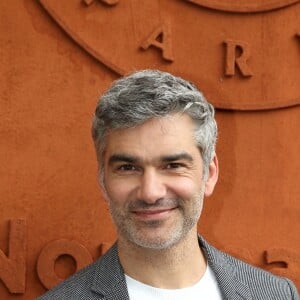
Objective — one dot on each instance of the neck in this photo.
(179, 266)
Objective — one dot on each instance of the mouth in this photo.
(153, 213)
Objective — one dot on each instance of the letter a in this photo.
(160, 38)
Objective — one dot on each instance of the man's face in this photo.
(153, 181)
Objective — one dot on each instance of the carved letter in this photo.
(160, 38)
(109, 2)
(52, 251)
(284, 262)
(241, 61)
(13, 267)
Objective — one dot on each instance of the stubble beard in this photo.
(159, 237)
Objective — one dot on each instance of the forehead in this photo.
(154, 138)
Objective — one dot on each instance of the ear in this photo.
(212, 176)
(101, 182)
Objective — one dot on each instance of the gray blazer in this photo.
(104, 279)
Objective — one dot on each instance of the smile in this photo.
(152, 214)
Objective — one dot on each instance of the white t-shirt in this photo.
(206, 288)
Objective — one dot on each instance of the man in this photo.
(155, 137)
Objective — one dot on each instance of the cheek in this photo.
(185, 188)
(118, 190)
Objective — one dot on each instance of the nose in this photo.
(151, 187)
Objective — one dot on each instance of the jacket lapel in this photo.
(231, 286)
(109, 280)
(110, 284)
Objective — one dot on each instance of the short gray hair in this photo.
(142, 95)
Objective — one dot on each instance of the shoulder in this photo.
(259, 283)
(262, 282)
(81, 284)
(75, 287)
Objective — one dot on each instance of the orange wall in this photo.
(53, 68)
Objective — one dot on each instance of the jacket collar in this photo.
(109, 280)
(230, 284)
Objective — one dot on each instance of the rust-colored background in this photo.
(50, 79)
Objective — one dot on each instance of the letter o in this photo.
(52, 251)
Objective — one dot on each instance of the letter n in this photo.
(13, 266)
(235, 59)
(160, 38)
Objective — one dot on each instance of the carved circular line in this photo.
(79, 41)
(256, 106)
(247, 7)
(218, 104)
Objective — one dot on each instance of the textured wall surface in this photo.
(58, 56)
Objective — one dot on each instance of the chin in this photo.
(156, 242)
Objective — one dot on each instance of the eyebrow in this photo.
(165, 158)
(178, 156)
(122, 157)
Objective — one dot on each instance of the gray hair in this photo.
(147, 94)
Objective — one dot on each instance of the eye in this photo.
(174, 165)
(126, 168)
